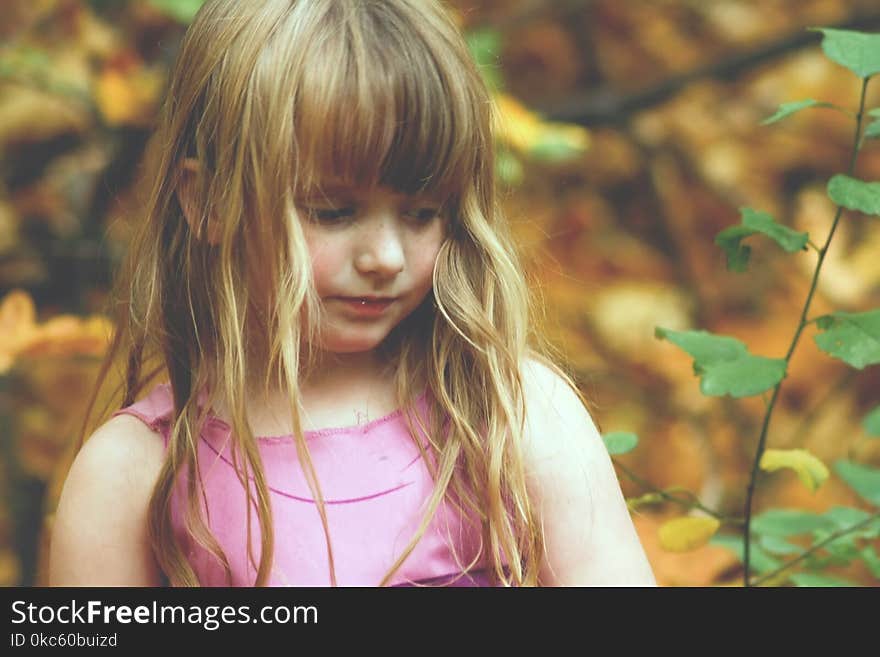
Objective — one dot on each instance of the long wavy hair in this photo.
(268, 96)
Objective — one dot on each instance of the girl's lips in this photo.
(365, 307)
(369, 299)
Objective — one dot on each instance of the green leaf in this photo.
(509, 168)
(810, 470)
(857, 51)
(855, 194)
(753, 221)
(787, 109)
(759, 561)
(872, 561)
(620, 442)
(814, 579)
(844, 517)
(789, 522)
(182, 11)
(825, 322)
(737, 254)
(852, 337)
(872, 131)
(842, 549)
(871, 423)
(725, 365)
(555, 146)
(863, 479)
(760, 222)
(776, 545)
(485, 46)
(746, 376)
(816, 561)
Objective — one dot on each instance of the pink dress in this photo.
(374, 484)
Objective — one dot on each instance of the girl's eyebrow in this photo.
(341, 189)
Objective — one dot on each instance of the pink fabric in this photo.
(374, 484)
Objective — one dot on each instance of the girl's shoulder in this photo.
(128, 450)
(557, 419)
(589, 535)
(546, 390)
(153, 410)
(99, 532)
(124, 444)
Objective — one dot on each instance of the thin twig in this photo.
(695, 502)
(763, 438)
(814, 548)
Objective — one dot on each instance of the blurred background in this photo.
(631, 136)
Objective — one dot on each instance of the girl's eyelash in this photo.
(332, 215)
(324, 214)
(427, 213)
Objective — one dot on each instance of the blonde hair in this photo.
(268, 95)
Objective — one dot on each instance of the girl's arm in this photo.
(589, 536)
(99, 535)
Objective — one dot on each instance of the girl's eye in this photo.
(341, 215)
(424, 215)
(329, 215)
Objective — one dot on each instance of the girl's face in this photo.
(369, 244)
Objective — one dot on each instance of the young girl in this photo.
(325, 282)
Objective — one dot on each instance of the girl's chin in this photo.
(351, 346)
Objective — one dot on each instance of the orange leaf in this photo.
(67, 335)
(17, 324)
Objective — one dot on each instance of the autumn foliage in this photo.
(629, 135)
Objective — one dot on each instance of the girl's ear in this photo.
(186, 196)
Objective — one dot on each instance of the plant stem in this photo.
(814, 548)
(688, 504)
(822, 253)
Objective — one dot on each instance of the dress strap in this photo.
(154, 410)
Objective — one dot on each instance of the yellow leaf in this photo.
(811, 471)
(128, 97)
(518, 126)
(114, 98)
(10, 568)
(17, 315)
(686, 534)
(522, 129)
(9, 238)
(37, 116)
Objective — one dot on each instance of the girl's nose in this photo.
(382, 250)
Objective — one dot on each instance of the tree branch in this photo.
(607, 106)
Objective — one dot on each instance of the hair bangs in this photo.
(376, 107)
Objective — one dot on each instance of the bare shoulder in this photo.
(589, 536)
(558, 425)
(99, 532)
(550, 402)
(124, 441)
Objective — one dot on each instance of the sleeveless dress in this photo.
(375, 487)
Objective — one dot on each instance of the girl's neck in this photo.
(339, 372)
(341, 390)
